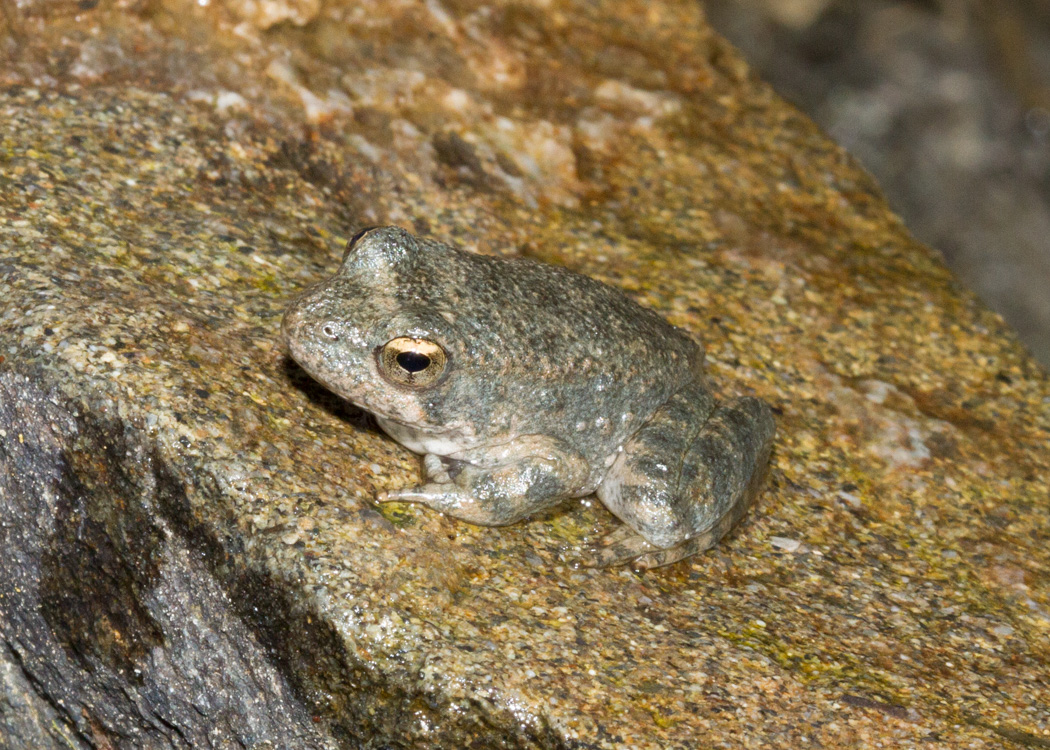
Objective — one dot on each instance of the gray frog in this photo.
(523, 384)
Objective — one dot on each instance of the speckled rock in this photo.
(126, 638)
(159, 208)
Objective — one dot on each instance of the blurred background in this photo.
(947, 103)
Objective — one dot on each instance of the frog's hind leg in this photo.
(686, 478)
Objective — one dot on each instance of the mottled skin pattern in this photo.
(554, 385)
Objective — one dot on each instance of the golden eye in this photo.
(355, 239)
(416, 363)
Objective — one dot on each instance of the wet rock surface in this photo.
(193, 518)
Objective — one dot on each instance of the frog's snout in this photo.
(291, 324)
(301, 331)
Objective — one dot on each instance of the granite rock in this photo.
(190, 518)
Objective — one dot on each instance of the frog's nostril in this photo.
(329, 330)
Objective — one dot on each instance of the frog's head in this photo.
(373, 333)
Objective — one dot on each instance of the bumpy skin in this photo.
(554, 385)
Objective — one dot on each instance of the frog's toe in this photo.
(618, 547)
(436, 470)
(404, 495)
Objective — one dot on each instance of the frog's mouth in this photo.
(410, 418)
(443, 442)
(420, 428)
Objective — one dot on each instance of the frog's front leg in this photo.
(685, 478)
(497, 486)
(435, 469)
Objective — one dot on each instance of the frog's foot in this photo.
(625, 545)
(619, 546)
(460, 502)
(660, 557)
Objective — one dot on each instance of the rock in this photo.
(948, 106)
(125, 636)
(192, 556)
(265, 13)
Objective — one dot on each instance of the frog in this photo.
(523, 384)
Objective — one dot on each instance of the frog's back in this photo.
(534, 315)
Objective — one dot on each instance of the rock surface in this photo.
(948, 105)
(195, 559)
(122, 633)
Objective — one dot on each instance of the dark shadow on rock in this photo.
(114, 634)
(321, 396)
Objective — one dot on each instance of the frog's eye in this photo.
(355, 239)
(416, 363)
